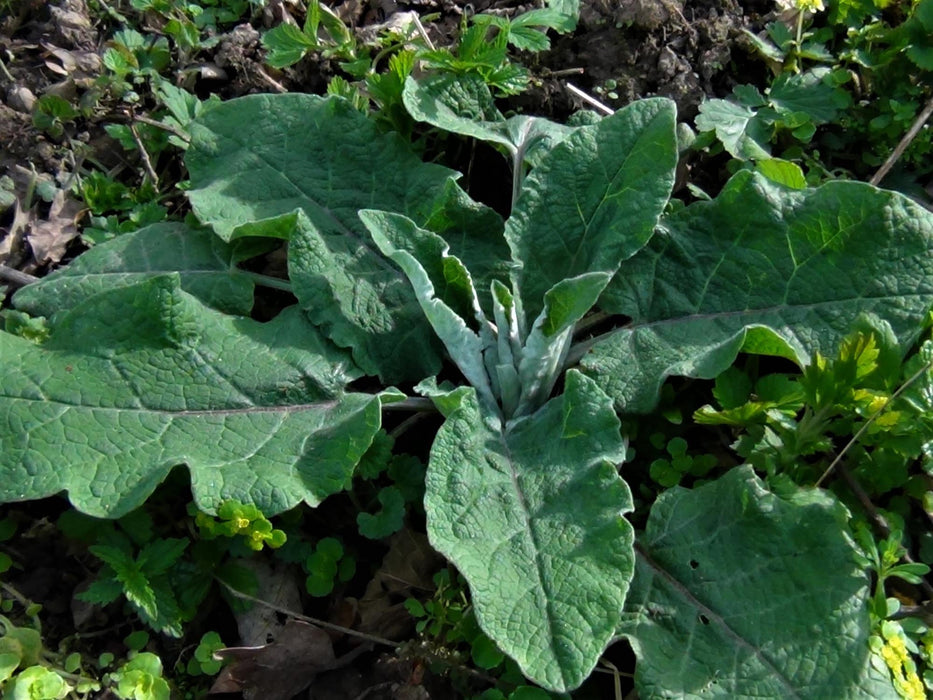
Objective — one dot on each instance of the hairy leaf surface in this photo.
(531, 515)
(204, 263)
(143, 378)
(763, 264)
(741, 593)
(260, 158)
(443, 287)
(594, 200)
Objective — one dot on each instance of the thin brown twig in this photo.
(879, 521)
(144, 154)
(275, 84)
(13, 593)
(161, 125)
(565, 71)
(590, 100)
(415, 403)
(304, 618)
(900, 390)
(423, 32)
(6, 72)
(15, 278)
(904, 143)
(402, 427)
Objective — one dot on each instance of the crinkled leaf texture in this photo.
(204, 263)
(765, 269)
(739, 593)
(594, 200)
(300, 166)
(531, 514)
(140, 379)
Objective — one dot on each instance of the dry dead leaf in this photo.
(49, 238)
(278, 586)
(409, 564)
(11, 240)
(279, 670)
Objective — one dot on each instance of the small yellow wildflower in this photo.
(810, 5)
(909, 686)
(896, 643)
(890, 657)
(903, 669)
(241, 523)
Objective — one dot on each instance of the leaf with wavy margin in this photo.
(765, 269)
(141, 379)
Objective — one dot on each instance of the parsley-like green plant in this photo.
(794, 424)
(30, 671)
(858, 71)
(482, 49)
(153, 362)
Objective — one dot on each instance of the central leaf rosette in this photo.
(523, 493)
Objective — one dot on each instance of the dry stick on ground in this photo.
(877, 518)
(158, 125)
(304, 618)
(398, 646)
(900, 390)
(15, 278)
(147, 164)
(904, 143)
(412, 403)
(874, 515)
(275, 84)
(423, 33)
(592, 101)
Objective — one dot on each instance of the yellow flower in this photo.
(909, 686)
(810, 5)
(890, 658)
(903, 669)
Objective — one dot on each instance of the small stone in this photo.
(21, 99)
(211, 71)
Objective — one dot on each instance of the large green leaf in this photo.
(143, 378)
(531, 515)
(741, 593)
(760, 266)
(594, 200)
(204, 263)
(464, 105)
(444, 289)
(256, 161)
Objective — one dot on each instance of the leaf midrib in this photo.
(718, 619)
(539, 566)
(287, 408)
(776, 310)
